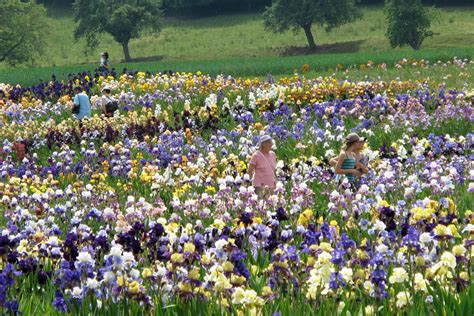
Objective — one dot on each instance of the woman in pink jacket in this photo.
(262, 167)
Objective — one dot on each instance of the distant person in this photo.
(20, 149)
(104, 62)
(108, 104)
(82, 104)
(350, 163)
(262, 167)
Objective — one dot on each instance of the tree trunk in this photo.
(126, 52)
(309, 36)
(11, 49)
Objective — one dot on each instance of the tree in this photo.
(23, 28)
(56, 3)
(123, 19)
(296, 14)
(408, 22)
(186, 4)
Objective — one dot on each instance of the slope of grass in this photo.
(243, 35)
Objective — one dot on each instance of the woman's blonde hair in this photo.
(348, 144)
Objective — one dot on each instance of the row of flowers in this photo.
(55, 89)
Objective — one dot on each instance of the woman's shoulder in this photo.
(256, 155)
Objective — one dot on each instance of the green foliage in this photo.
(295, 14)
(210, 5)
(123, 19)
(429, 2)
(186, 4)
(408, 22)
(23, 27)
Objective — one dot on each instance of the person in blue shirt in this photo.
(84, 103)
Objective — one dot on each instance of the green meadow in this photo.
(239, 45)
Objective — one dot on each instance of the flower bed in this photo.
(152, 211)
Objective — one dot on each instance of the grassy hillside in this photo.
(243, 35)
(239, 45)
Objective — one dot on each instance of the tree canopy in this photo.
(296, 14)
(212, 6)
(23, 28)
(123, 19)
(408, 22)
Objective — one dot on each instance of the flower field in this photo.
(151, 212)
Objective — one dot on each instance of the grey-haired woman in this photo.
(262, 166)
